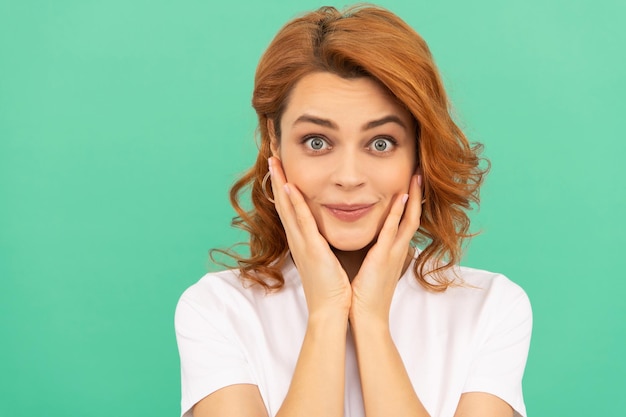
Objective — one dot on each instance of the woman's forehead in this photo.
(327, 96)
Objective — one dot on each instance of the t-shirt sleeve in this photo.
(210, 355)
(498, 366)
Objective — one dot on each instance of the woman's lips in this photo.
(349, 212)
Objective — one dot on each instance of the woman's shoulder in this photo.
(221, 302)
(485, 282)
(213, 284)
(467, 277)
(209, 297)
(477, 289)
(467, 281)
(495, 292)
(228, 286)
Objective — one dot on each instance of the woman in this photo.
(336, 312)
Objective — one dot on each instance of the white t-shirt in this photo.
(470, 338)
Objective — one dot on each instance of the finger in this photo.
(276, 174)
(303, 215)
(281, 199)
(389, 230)
(278, 183)
(293, 210)
(303, 235)
(413, 211)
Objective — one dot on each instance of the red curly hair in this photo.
(372, 42)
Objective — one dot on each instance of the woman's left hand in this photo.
(374, 285)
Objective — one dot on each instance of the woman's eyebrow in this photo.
(305, 118)
(387, 119)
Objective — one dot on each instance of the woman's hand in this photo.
(374, 285)
(326, 285)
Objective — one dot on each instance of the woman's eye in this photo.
(382, 145)
(316, 143)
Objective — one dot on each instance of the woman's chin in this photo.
(350, 245)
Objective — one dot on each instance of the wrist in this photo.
(374, 323)
(330, 316)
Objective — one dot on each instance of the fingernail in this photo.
(287, 190)
(405, 198)
(419, 180)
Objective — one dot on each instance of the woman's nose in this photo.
(349, 172)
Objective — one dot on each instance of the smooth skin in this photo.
(346, 142)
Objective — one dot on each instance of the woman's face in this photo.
(349, 148)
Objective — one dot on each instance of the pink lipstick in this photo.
(349, 212)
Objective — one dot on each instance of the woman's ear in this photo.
(274, 146)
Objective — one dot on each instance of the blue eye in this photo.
(316, 143)
(382, 144)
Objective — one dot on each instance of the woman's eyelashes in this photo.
(316, 143)
(319, 144)
(382, 145)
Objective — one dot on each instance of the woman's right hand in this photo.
(326, 284)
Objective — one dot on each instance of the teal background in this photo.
(123, 124)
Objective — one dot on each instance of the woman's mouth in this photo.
(348, 212)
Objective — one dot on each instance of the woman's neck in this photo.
(351, 261)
